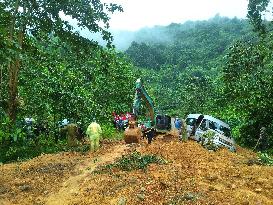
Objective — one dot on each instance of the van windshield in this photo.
(190, 121)
(226, 131)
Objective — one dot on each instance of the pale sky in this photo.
(147, 13)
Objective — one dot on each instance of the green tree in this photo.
(248, 87)
(76, 82)
(36, 17)
(256, 9)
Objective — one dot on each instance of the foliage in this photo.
(248, 86)
(52, 17)
(183, 72)
(78, 86)
(216, 67)
(207, 140)
(191, 44)
(49, 72)
(134, 161)
(265, 158)
(38, 20)
(10, 132)
(110, 132)
(255, 12)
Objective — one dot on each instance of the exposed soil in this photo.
(193, 175)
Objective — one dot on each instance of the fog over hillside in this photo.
(123, 38)
(155, 34)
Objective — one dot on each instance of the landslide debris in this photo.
(192, 175)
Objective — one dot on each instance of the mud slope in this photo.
(192, 175)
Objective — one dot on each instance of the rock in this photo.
(211, 188)
(133, 181)
(251, 162)
(233, 186)
(212, 177)
(122, 201)
(258, 190)
(164, 184)
(3, 190)
(141, 196)
(261, 181)
(189, 196)
(142, 189)
(245, 202)
(25, 187)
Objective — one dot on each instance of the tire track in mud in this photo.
(71, 186)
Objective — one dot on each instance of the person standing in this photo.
(184, 135)
(94, 133)
(150, 133)
(71, 130)
(178, 125)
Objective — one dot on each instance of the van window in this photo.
(190, 121)
(212, 125)
(226, 131)
(203, 125)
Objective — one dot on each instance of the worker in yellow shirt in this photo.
(94, 133)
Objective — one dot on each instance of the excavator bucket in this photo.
(132, 134)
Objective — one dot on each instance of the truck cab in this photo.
(163, 123)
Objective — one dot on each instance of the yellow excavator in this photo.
(161, 123)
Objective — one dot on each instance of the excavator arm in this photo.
(141, 94)
(132, 134)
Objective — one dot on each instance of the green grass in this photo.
(133, 161)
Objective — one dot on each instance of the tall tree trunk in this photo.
(13, 89)
(13, 69)
(1, 82)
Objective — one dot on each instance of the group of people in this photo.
(75, 133)
(33, 128)
(121, 120)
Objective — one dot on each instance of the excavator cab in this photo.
(163, 123)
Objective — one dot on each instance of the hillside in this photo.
(196, 43)
(183, 63)
(215, 67)
(192, 175)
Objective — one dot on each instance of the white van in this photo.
(198, 125)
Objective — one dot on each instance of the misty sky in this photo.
(143, 13)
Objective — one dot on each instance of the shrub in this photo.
(109, 132)
(265, 159)
(134, 161)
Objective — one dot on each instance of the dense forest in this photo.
(221, 67)
(218, 67)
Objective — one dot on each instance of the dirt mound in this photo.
(132, 135)
(192, 175)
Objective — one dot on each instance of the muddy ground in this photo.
(192, 175)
